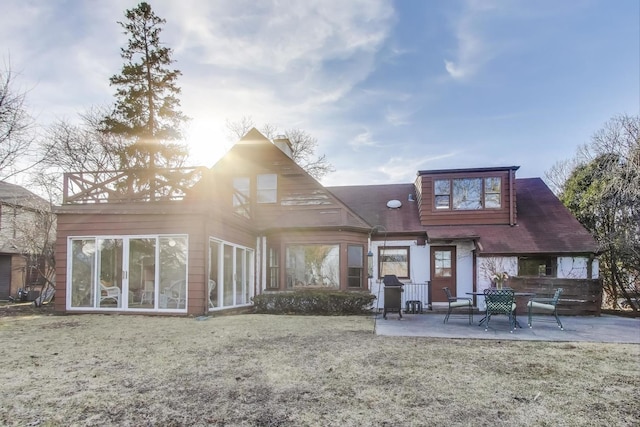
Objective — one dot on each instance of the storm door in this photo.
(443, 271)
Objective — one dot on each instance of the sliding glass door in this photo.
(230, 274)
(128, 273)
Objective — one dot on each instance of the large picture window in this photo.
(393, 260)
(313, 266)
(128, 273)
(537, 266)
(467, 193)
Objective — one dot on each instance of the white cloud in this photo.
(474, 48)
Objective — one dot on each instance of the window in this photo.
(467, 193)
(442, 190)
(442, 263)
(273, 273)
(492, 192)
(355, 266)
(537, 266)
(313, 266)
(241, 195)
(267, 188)
(393, 260)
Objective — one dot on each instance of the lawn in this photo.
(261, 370)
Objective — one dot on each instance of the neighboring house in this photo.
(20, 212)
(257, 222)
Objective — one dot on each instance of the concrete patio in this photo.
(606, 328)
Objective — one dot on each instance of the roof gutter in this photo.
(511, 202)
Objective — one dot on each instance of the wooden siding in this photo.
(343, 238)
(195, 226)
(580, 297)
(429, 215)
(301, 200)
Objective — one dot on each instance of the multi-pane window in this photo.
(267, 188)
(467, 193)
(355, 266)
(274, 269)
(442, 264)
(442, 192)
(492, 192)
(393, 260)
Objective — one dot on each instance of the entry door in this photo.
(443, 271)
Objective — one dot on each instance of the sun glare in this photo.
(207, 142)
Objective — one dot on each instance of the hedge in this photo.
(314, 301)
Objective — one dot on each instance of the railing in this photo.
(411, 292)
(140, 185)
(580, 297)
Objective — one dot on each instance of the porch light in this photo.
(370, 263)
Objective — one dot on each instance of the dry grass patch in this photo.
(262, 370)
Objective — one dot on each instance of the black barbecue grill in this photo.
(392, 295)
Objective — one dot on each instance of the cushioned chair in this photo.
(458, 302)
(110, 292)
(546, 305)
(500, 301)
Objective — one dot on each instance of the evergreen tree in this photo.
(147, 107)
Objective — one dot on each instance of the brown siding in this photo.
(429, 215)
(195, 226)
(301, 200)
(343, 238)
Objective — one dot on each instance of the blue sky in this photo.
(387, 87)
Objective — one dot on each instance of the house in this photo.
(198, 240)
(20, 214)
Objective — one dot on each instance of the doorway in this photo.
(443, 271)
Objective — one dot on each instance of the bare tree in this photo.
(16, 125)
(303, 145)
(34, 236)
(84, 146)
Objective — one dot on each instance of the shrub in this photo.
(314, 301)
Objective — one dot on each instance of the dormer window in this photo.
(467, 193)
(267, 188)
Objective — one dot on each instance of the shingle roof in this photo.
(19, 196)
(544, 225)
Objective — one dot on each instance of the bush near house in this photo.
(314, 301)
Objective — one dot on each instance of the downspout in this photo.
(511, 202)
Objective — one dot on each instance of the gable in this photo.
(299, 200)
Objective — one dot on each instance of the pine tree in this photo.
(147, 106)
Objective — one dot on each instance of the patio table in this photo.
(515, 294)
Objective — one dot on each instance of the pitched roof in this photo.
(544, 224)
(370, 203)
(16, 195)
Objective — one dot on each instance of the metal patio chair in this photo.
(500, 301)
(458, 302)
(546, 304)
